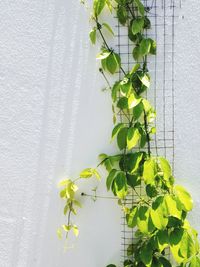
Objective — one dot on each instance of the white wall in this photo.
(49, 94)
(187, 125)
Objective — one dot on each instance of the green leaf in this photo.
(195, 262)
(98, 6)
(104, 54)
(96, 174)
(151, 191)
(130, 250)
(158, 213)
(110, 179)
(128, 263)
(137, 25)
(135, 68)
(64, 182)
(131, 218)
(165, 262)
(77, 203)
(93, 35)
(138, 110)
(133, 180)
(172, 206)
(120, 185)
(89, 172)
(184, 197)
(63, 193)
(144, 78)
(107, 26)
(147, 23)
(143, 219)
(166, 168)
(146, 254)
(153, 47)
(140, 7)
(113, 62)
(86, 173)
(134, 161)
(122, 138)
(147, 105)
(136, 53)
(162, 239)
(122, 15)
(133, 100)
(66, 208)
(125, 87)
(122, 103)
(145, 47)
(109, 4)
(149, 171)
(187, 246)
(133, 137)
(176, 236)
(115, 90)
(116, 129)
(66, 228)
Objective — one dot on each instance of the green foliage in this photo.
(93, 35)
(158, 217)
(98, 7)
(110, 60)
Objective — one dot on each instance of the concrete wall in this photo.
(48, 85)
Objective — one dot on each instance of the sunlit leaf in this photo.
(133, 137)
(184, 197)
(107, 26)
(166, 168)
(110, 178)
(98, 6)
(149, 171)
(133, 100)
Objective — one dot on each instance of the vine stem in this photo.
(97, 196)
(105, 42)
(102, 197)
(69, 218)
(131, 11)
(147, 133)
(141, 198)
(110, 87)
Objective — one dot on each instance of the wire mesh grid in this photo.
(163, 15)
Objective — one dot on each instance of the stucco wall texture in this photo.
(54, 121)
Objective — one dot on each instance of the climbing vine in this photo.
(159, 217)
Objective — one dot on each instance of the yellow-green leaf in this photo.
(172, 206)
(75, 230)
(133, 137)
(184, 197)
(98, 6)
(107, 26)
(133, 100)
(149, 171)
(59, 233)
(93, 35)
(166, 168)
